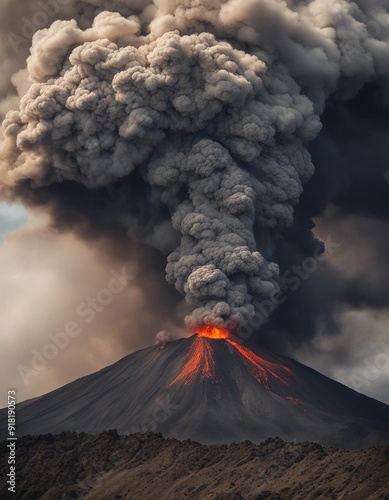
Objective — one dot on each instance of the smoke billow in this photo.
(192, 119)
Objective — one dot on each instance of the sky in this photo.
(12, 218)
(288, 135)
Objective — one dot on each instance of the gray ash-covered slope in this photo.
(213, 391)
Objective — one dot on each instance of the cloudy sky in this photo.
(12, 218)
(285, 147)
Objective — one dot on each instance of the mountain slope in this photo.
(213, 391)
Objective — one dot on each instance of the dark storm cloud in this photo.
(186, 126)
(351, 164)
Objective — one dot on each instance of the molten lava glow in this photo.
(212, 332)
(199, 362)
(261, 369)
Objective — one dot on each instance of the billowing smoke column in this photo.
(211, 104)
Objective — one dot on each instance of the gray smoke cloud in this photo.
(206, 108)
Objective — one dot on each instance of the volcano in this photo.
(212, 389)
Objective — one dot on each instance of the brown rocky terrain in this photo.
(148, 466)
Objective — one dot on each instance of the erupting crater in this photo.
(212, 332)
(199, 363)
(210, 388)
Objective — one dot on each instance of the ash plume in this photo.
(192, 120)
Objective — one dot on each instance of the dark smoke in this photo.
(351, 164)
(189, 126)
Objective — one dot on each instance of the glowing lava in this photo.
(199, 361)
(212, 332)
(261, 369)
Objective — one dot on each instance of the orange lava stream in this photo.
(259, 368)
(199, 361)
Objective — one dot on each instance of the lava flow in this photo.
(200, 362)
(261, 369)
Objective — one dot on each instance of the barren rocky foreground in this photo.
(148, 466)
